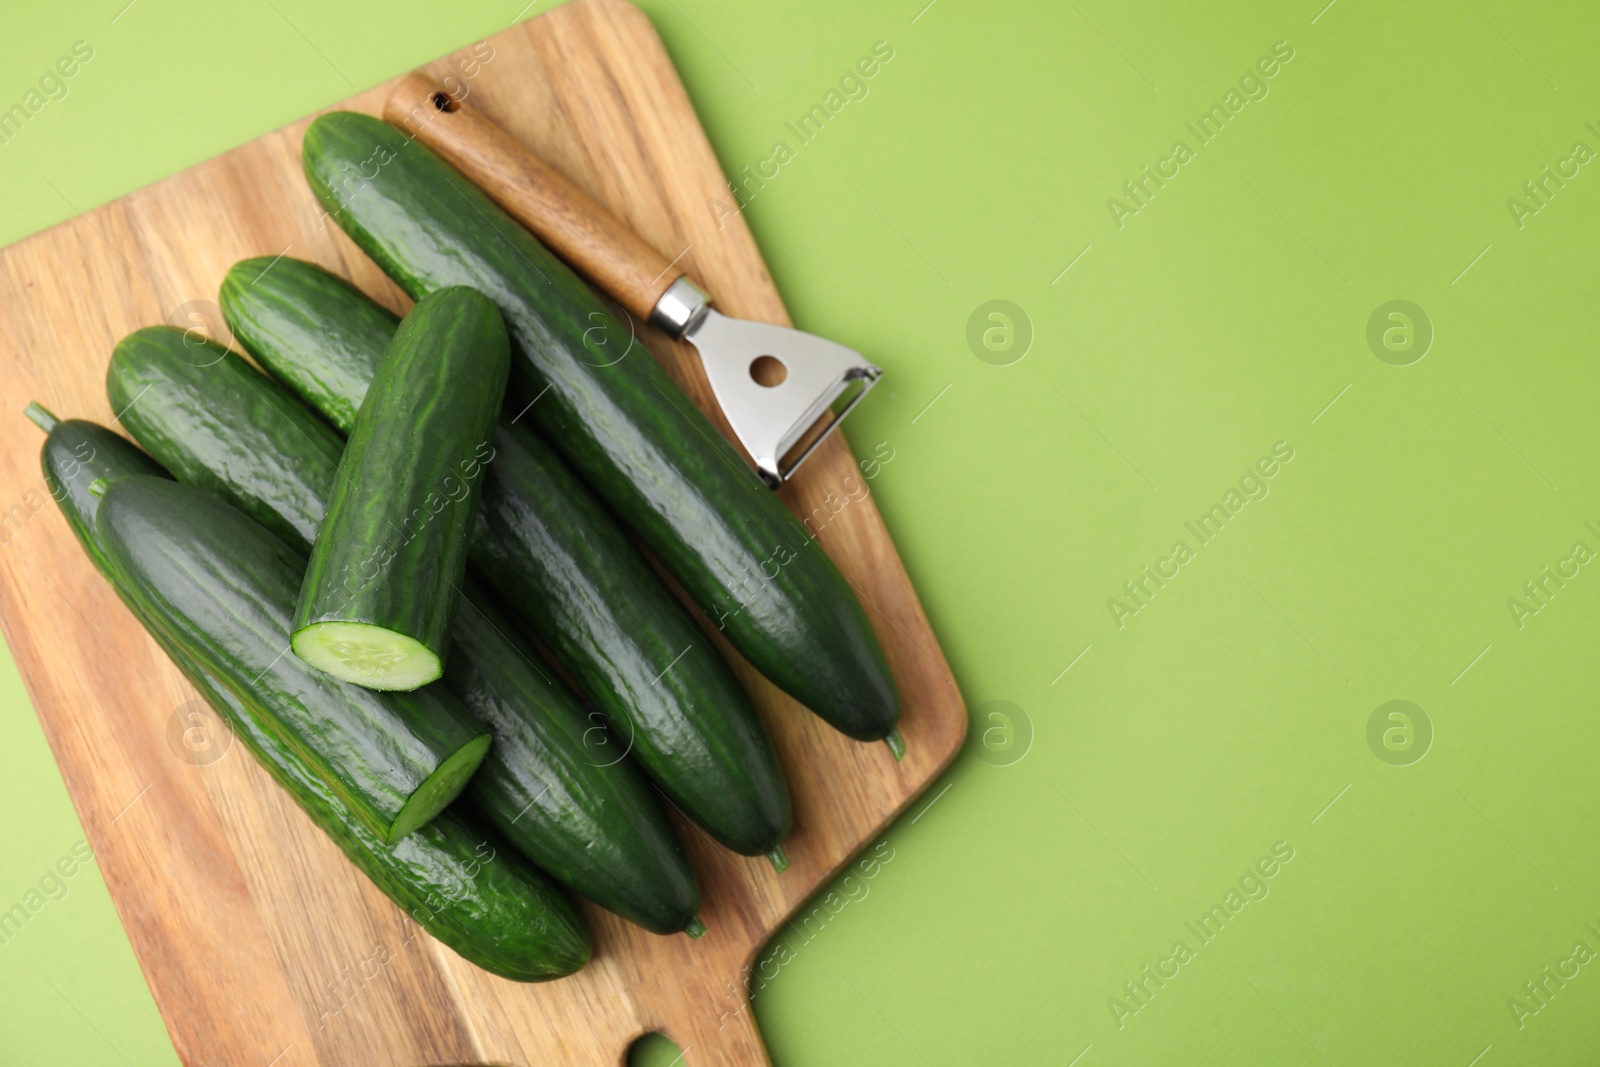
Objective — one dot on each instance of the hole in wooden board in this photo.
(768, 371)
(443, 101)
(654, 1050)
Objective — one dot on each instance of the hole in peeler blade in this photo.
(768, 371)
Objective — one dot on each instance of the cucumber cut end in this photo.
(40, 416)
(897, 745)
(780, 862)
(442, 786)
(696, 929)
(367, 655)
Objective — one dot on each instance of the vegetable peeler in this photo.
(773, 383)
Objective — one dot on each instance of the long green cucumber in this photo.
(460, 881)
(214, 445)
(617, 418)
(381, 590)
(227, 584)
(572, 757)
(596, 827)
(313, 331)
(544, 541)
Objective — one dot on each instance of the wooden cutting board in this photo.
(261, 944)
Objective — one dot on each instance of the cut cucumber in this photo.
(459, 880)
(384, 581)
(441, 787)
(369, 655)
(227, 585)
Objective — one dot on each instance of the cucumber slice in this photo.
(368, 655)
(440, 788)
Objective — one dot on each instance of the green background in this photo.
(1102, 807)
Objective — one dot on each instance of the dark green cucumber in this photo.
(544, 541)
(78, 455)
(154, 378)
(597, 828)
(381, 591)
(460, 881)
(611, 820)
(313, 331)
(621, 422)
(227, 586)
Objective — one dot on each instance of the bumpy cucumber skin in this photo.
(642, 661)
(457, 879)
(274, 308)
(545, 542)
(611, 821)
(599, 829)
(392, 548)
(227, 585)
(617, 417)
(211, 446)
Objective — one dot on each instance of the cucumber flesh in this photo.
(440, 787)
(368, 655)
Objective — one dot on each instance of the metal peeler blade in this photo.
(768, 419)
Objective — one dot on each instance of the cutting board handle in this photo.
(579, 230)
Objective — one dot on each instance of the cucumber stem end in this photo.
(780, 862)
(696, 929)
(897, 745)
(40, 416)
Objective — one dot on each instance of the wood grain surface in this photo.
(261, 944)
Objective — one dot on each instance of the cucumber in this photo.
(226, 586)
(597, 828)
(621, 422)
(384, 580)
(312, 330)
(214, 446)
(552, 768)
(459, 880)
(544, 541)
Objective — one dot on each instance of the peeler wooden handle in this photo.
(564, 217)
